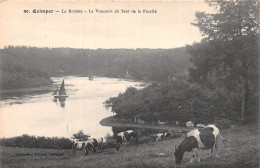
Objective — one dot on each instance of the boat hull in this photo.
(60, 96)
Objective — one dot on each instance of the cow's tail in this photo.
(224, 140)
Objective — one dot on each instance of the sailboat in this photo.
(90, 77)
(60, 92)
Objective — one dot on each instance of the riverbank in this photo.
(41, 89)
(114, 122)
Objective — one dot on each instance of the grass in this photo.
(242, 150)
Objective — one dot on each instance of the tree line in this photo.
(223, 81)
(19, 64)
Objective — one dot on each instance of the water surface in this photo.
(42, 115)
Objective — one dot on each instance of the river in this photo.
(39, 114)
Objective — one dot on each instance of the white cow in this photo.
(161, 136)
(204, 138)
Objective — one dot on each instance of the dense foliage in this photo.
(177, 100)
(18, 63)
(228, 55)
(223, 83)
(27, 141)
(16, 76)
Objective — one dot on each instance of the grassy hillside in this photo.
(242, 150)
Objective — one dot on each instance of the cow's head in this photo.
(134, 135)
(178, 155)
(168, 134)
(117, 146)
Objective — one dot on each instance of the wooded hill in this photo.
(21, 63)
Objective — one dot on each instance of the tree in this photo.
(230, 48)
(81, 136)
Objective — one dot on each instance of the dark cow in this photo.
(127, 136)
(205, 138)
(162, 136)
(93, 143)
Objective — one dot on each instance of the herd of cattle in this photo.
(129, 136)
(201, 138)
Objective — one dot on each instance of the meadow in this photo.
(241, 150)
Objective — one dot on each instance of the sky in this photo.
(169, 27)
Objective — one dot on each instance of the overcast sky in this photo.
(169, 28)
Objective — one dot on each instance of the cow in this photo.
(126, 136)
(162, 136)
(93, 143)
(204, 138)
(189, 124)
(79, 144)
(161, 123)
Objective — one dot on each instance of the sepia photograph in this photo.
(129, 84)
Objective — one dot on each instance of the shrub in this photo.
(27, 141)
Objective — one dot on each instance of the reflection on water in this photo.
(60, 101)
(40, 115)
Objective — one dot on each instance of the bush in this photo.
(26, 141)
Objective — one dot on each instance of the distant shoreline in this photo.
(114, 122)
(47, 88)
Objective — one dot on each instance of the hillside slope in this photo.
(242, 150)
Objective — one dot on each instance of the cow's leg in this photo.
(212, 150)
(72, 149)
(216, 148)
(196, 153)
(86, 151)
(193, 155)
(117, 146)
(101, 147)
(94, 149)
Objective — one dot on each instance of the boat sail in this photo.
(60, 92)
(56, 91)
